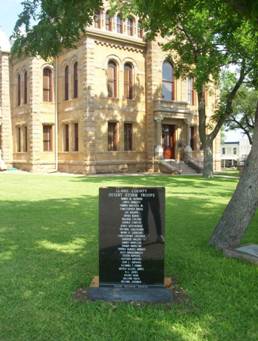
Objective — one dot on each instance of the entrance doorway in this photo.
(168, 140)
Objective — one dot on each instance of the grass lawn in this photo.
(48, 249)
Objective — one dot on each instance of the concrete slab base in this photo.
(248, 253)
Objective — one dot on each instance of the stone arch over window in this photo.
(66, 83)
(19, 89)
(128, 80)
(168, 84)
(47, 84)
(108, 21)
(25, 87)
(130, 26)
(75, 80)
(112, 78)
(119, 23)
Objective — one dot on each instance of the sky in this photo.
(9, 11)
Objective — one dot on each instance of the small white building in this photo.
(234, 153)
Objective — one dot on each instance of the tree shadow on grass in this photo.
(49, 249)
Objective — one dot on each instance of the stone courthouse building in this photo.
(112, 104)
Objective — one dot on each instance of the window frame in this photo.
(128, 83)
(19, 89)
(75, 80)
(25, 88)
(48, 90)
(112, 81)
(49, 141)
(66, 83)
(170, 82)
(112, 136)
(128, 136)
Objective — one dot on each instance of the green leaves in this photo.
(45, 27)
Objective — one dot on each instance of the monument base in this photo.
(148, 295)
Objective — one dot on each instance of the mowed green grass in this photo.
(49, 248)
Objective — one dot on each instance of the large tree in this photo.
(206, 38)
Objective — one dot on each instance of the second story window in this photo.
(168, 91)
(66, 84)
(223, 151)
(190, 91)
(25, 95)
(234, 151)
(75, 80)
(130, 26)
(19, 89)
(119, 24)
(128, 81)
(108, 21)
(112, 79)
(47, 84)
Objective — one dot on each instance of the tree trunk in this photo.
(208, 160)
(243, 204)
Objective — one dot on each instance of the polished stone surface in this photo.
(151, 295)
(131, 237)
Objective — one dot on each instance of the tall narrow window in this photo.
(66, 84)
(108, 21)
(139, 30)
(66, 138)
(168, 91)
(112, 79)
(19, 89)
(128, 136)
(97, 20)
(18, 139)
(190, 91)
(119, 24)
(128, 81)
(130, 26)
(75, 80)
(76, 137)
(47, 85)
(112, 136)
(25, 139)
(25, 95)
(47, 138)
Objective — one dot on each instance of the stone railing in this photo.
(194, 159)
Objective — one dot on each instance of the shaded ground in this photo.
(48, 249)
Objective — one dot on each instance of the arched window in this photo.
(97, 20)
(190, 91)
(19, 89)
(139, 30)
(168, 81)
(119, 24)
(66, 84)
(47, 84)
(130, 26)
(25, 95)
(128, 81)
(108, 21)
(112, 79)
(75, 80)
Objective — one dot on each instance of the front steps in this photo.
(176, 167)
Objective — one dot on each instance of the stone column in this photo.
(158, 146)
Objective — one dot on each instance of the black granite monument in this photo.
(131, 245)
